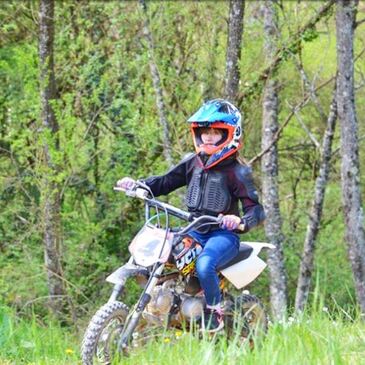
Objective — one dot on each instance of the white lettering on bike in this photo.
(187, 258)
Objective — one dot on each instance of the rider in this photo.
(216, 183)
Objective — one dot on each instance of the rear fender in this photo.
(258, 246)
(244, 272)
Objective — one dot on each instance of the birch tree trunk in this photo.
(160, 104)
(269, 165)
(50, 189)
(306, 264)
(235, 30)
(350, 168)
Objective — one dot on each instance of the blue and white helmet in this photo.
(222, 115)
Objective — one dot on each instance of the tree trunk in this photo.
(350, 168)
(306, 265)
(269, 164)
(161, 108)
(50, 189)
(235, 29)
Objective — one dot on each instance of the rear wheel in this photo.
(100, 342)
(254, 316)
(246, 317)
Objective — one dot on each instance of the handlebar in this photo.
(197, 221)
(142, 193)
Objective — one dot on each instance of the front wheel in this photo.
(100, 342)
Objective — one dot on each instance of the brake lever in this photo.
(118, 188)
(139, 193)
(142, 185)
(128, 192)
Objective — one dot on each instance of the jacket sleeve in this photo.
(245, 190)
(172, 180)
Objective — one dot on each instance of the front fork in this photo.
(134, 316)
(118, 288)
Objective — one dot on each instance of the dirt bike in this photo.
(163, 263)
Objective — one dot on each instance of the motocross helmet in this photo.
(223, 115)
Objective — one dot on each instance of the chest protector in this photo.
(208, 192)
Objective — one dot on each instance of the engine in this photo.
(161, 304)
(165, 302)
(191, 308)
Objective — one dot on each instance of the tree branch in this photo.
(306, 129)
(283, 52)
(298, 107)
(359, 22)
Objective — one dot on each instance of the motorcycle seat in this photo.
(243, 253)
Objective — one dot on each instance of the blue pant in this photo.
(219, 247)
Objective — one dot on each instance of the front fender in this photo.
(126, 271)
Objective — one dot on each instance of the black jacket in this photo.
(215, 190)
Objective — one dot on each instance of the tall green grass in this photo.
(32, 343)
(311, 339)
(316, 339)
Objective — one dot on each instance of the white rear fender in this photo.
(244, 272)
(258, 246)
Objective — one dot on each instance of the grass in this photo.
(316, 339)
(31, 343)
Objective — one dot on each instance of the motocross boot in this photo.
(212, 320)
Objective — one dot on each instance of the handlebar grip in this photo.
(139, 193)
(117, 188)
(142, 185)
(127, 192)
(241, 227)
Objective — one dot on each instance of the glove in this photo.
(126, 183)
(230, 222)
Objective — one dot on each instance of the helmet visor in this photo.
(206, 135)
(207, 144)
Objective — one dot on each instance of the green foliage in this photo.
(309, 35)
(109, 128)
